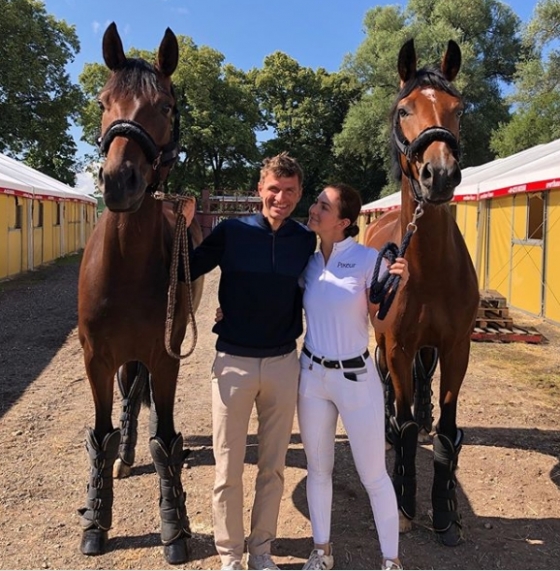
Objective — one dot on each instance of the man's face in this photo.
(280, 196)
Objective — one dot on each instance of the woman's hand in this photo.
(400, 268)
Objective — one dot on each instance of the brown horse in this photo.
(123, 287)
(437, 307)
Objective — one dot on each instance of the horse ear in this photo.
(113, 52)
(451, 62)
(407, 61)
(168, 54)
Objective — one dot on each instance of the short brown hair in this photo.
(282, 165)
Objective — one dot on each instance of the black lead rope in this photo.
(384, 290)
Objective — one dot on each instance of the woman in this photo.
(338, 375)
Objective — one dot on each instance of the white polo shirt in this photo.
(335, 300)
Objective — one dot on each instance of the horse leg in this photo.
(132, 380)
(447, 446)
(425, 363)
(166, 448)
(102, 445)
(389, 393)
(404, 437)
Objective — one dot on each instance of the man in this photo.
(261, 258)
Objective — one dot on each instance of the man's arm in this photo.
(208, 254)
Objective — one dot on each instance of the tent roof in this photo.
(16, 176)
(537, 168)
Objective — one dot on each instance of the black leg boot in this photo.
(423, 372)
(447, 520)
(96, 517)
(389, 394)
(404, 473)
(131, 404)
(175, 528)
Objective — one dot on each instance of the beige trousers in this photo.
(237, 384)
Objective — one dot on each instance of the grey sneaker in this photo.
(263, 561)
(389, 564)
(233, 566)
(319, 561)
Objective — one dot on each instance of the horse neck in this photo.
(430, 245)
(134, 238)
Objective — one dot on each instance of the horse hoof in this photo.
(176, 552)
(452, 536)
(405, 524)
(121, 469)
(424, 436)
(93, 541)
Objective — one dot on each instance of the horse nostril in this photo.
(426, 174)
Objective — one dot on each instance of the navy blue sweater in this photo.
(259, 291)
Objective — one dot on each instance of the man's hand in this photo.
(189, 208)
(219, 314)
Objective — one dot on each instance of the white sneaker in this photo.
(233, 566)
(319, 560)
(389, 564)
(263, 561)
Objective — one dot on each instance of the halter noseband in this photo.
(410, 150)
(158, 156)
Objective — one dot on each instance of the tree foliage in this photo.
(304, 109)
(536, 95)
(218, 116)
(38, 102)
(488, 33)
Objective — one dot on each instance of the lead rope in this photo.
(180, 249)
(383, 291)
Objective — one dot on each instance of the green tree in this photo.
(37, 99)
(536, 95)
(488, 33)
(304, 109)
(218, 118)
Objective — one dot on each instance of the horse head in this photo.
(140, 122)
(425, 125)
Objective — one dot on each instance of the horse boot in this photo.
(404, 472)
(423, 376)
(446, 518)
(96, 517)
(389, 394)
(175, 529)
(131, 403)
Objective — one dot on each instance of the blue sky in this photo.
(316, 33)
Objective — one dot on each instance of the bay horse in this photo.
(437, 307)
(124, 323)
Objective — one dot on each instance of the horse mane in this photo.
(135, 76)
(424, 77)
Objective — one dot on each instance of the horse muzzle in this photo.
(123, 189)
(438, 182)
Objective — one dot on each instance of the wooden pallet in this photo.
(503, 335)
(493, 322)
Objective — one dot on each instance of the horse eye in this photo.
(100, 104)
(402, 112)
(166, 108)
(459, 114)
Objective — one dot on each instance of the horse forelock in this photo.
(136, 76)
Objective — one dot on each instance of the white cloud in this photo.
(84, 183)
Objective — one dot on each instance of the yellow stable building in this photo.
(41, 219)
(508, 211)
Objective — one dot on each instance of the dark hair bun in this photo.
(352, 230)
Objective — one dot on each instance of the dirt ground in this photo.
(509, 470)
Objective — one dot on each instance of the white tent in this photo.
(15, 175)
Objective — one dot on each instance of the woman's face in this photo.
(324, 213)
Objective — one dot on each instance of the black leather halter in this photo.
(411, 150)
(157, 156)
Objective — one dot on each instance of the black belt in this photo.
(354, 363)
